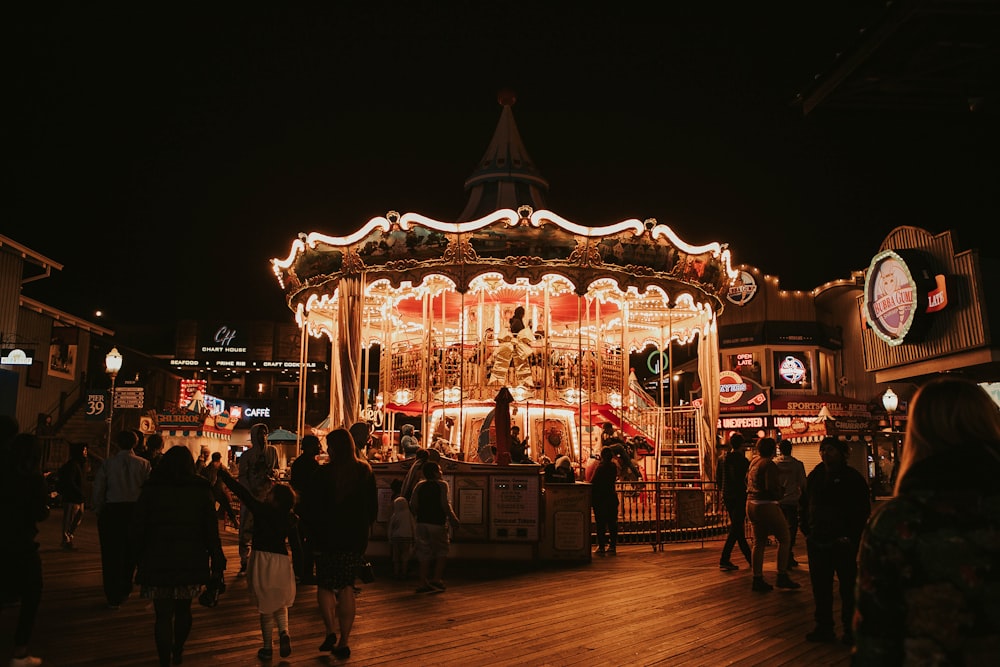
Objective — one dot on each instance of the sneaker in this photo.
(341, 652)
(427, 588)
(784, 581)
(821, 635)
(728, 566)
(25, 661)
(329, 642)
(761, 586)
(438, 586)
(285, 645)
(265, 653)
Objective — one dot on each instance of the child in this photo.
(402, 530)
(270, 574)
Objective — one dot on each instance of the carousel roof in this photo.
(516, 248)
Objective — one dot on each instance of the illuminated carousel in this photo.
(431, 305)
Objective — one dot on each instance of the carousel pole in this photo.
(428, 351)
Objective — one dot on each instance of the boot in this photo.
(761, 586)
(784, 581)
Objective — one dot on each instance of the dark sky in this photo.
(164, 156)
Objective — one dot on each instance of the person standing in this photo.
(431, 507)
(833, 512)
(154, 449)
(408, 443)
(302, 470)
(23, 503)
(219, 493)
(734, 496)
(518, 447)
(117, 485)
(339, 507)
(70, 481)
(401, 531)
(175, 535)
(604, 499)
(270, 573)
(928, 583)
(792, 475)
(258, 467)
(763, 495)
(415, 473)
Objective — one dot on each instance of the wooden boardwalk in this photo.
(641, 607)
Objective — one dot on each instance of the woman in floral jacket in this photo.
(929, 584)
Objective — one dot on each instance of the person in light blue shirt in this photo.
(117, 485)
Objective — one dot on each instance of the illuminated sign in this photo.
(731, 387)
(656, 360)
(792, 370)
(742, 422)
(743, 289)
(17, 357)
(224, 339)
(900, 289)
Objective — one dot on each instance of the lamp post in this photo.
(112, 364)
(890, 401)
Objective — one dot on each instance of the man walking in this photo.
(257, 469)
(792, 476)
(734, 496)
(116, 488)
(833, 512)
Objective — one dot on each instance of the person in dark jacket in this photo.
(338, 507)
(175, 537)
(23, 497)
(833, 511)
(733, 479)
(604, 499)
(70, 489)
(302, 470)
(929, 582)
(432, 510)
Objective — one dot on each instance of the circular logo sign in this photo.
(792, 370)
(890, 297)
(743, 289)
(731, 387)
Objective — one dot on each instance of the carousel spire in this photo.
(506, 176)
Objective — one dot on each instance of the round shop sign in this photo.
(731, 387)
(892, 296)
(743, 289)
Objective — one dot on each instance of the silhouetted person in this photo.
(116, 488)
(734, 496)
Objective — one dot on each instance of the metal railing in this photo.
(661, 511)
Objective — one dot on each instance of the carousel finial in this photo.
(506, 97)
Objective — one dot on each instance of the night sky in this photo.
(164, 157)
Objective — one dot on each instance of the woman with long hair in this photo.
(175, 534)
(339, 506)
(928, 577)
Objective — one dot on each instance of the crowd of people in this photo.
(917, 577)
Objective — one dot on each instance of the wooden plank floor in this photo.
(641, 607)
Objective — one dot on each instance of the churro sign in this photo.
(899, 290)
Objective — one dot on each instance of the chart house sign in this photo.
(900, 291)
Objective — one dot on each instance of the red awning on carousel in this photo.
(595, 414)
(411, 409)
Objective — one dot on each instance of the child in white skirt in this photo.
(270, 576)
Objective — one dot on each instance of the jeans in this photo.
(825, 560)
(737, 510)
(767, 519)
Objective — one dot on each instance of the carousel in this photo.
(518, 316)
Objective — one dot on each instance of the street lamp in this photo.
(890, 401)
(112, 364)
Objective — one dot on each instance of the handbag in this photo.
(366, 573)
